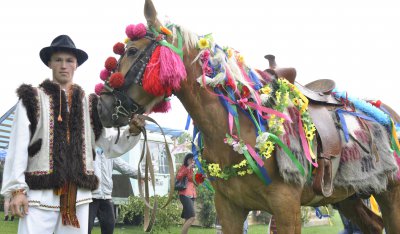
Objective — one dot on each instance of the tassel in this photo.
(162, 107)
(172, 69)
(151, 81)
(59, 119)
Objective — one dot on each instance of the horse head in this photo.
(141, 80)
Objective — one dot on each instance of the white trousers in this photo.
(48, 222)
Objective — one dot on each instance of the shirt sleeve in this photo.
(17, 154)
(125, 142)
(183, 171)
(124, 168)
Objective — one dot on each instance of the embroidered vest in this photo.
(60, 151)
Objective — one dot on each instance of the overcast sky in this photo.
(356, 43)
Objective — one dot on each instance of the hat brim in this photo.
(46, 52)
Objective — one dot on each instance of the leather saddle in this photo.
(321, 105)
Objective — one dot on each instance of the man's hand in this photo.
(19, 205)
(136, 125)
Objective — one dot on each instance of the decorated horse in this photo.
(265, 142)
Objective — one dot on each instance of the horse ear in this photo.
(151, 14)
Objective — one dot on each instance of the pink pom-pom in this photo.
(135, 31)
(98, 88)
(129, 30)
(162, 107)
(104, 74)
(139, 31)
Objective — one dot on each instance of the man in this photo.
(49, 166)
(102, 205)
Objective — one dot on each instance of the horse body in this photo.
(235, 197)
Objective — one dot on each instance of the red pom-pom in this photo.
(111, 63)
(116, 80)
(119, 48)
(199, 178)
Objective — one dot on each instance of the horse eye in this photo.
(132, 51)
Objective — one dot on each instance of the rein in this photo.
(149, 220)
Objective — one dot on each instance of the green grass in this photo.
(11, 228)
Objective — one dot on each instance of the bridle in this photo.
(124, 106)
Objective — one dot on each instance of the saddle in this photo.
(321, 104)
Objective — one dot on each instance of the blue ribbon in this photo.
(195, 151)
(319, 214)
(340, 113)
(257, 84)
(187, 122)
(225, 103)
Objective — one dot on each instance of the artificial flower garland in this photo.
(220, 71)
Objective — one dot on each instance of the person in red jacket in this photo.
(188, 195)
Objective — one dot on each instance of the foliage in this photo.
(132, 212)
(185, 137)
(263, 217)
(305, 213)
(205, 200)
(12, 227)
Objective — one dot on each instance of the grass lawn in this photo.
(11, 228)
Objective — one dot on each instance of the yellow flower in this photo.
(127, 40)
(310, 135)
(203, 43)
(269, 144)
(230, 53)
(265, 90)
(295, 102)
(241, 173)
(266, 154)
(249, 171)
(214, 169)
(240, 59)
(278, 96)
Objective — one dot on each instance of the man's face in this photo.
(63, 65)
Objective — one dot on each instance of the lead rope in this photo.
(150, 220)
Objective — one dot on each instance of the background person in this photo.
(188, 195)
(102, 205)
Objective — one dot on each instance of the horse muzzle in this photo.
(108, 113)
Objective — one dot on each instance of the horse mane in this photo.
(188, 36)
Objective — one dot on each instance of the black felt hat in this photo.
(62, 43)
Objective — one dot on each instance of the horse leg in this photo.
(230, 215)
(285, 206)
(389, 203)
(355, 210)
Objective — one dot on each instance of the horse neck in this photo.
(203, 106)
